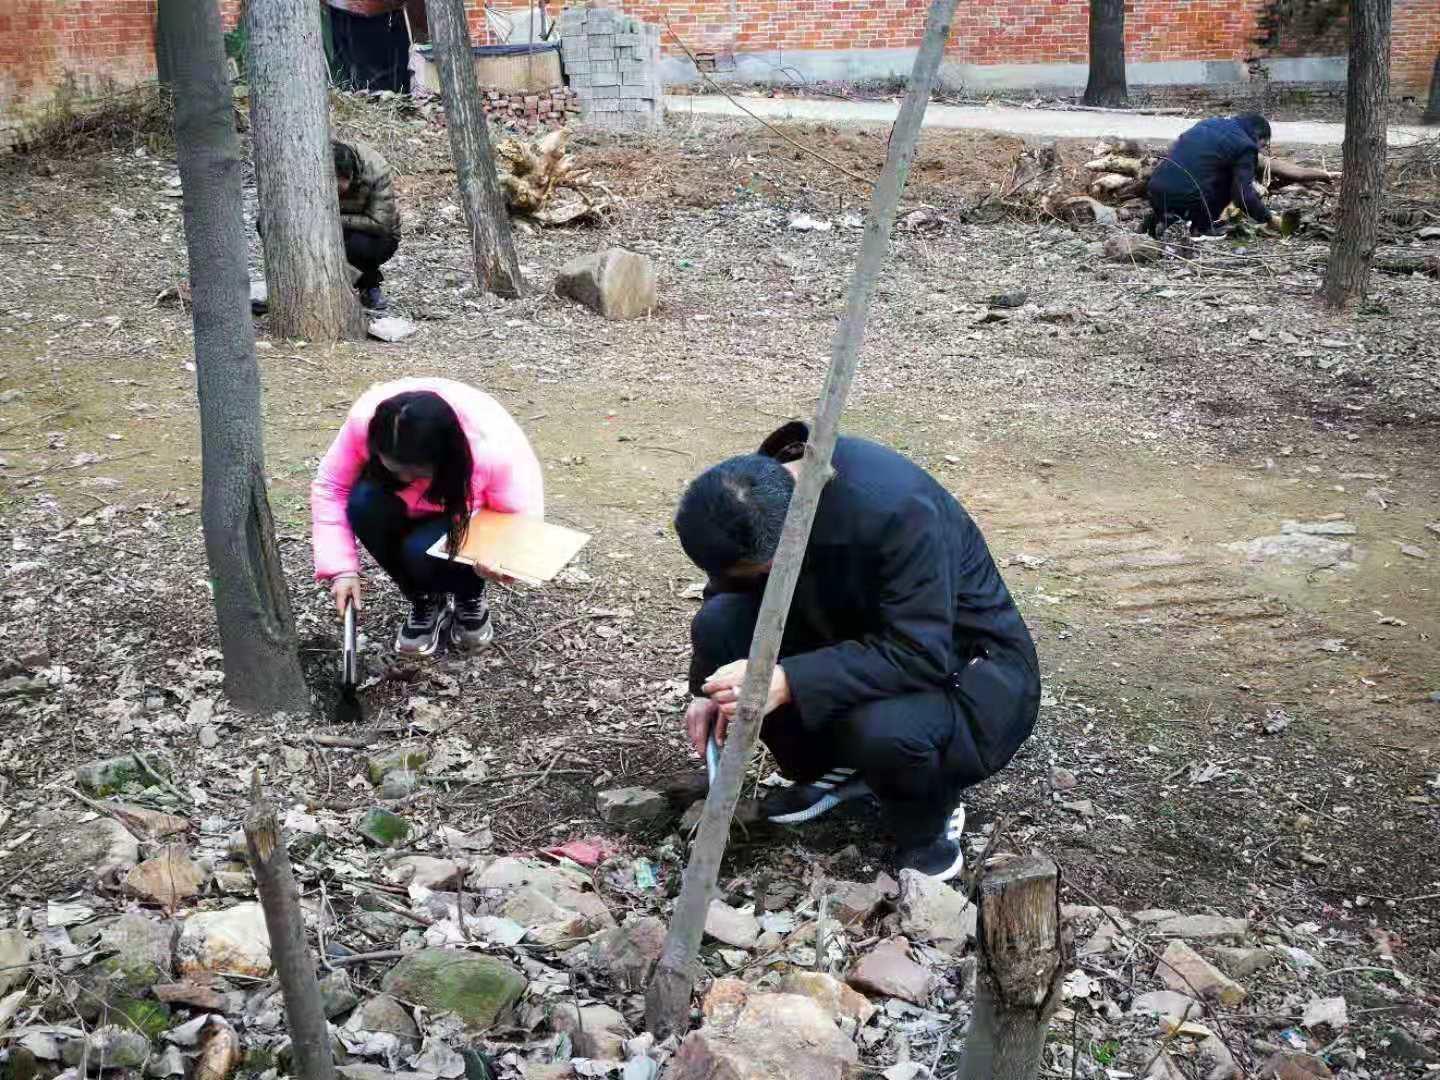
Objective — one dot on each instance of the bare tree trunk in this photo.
(257, 632)
(310, 293)
(667, 1000)
(497, 269)
(275, 882)
(1362, 187)
(1432, 110)
(1022, 963)
(1106, 86)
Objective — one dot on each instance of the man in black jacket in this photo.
(906, 671)
(1210, 166)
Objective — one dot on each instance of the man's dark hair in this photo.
(347, 164)
(1257, 125)
(732, 513)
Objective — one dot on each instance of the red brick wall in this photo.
(48, 45)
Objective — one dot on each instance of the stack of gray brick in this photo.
(612, 62)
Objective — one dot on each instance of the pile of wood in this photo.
(541, 180)
(530, 112)
(1120, 173)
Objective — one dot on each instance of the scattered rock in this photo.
(191, 995)
(102, 850)
(854, 902)
(1286, 1065)
(773, 1035)
(1167, 1003)
(135, 954)
(437, 875)
(501, 878)
(887, 970)
(628, 953)
(530, 907)
(167, 879)
(113, 1047)
(1242, 963)
(478, 989)
(1084, 807)
(230, 941)
(15, 951)
(219, 1051)
(1326, 1012)
(724, 1001)
(1008, 300)
(1414, 552)
(382, 1013)
(1151, 916)
(596, 1031)
(1290, 549)
(1132, 247)
(1062, 779)
(833, 995)
(153, 823)
(391, 328)
(932, 911)
(1184, 970)
(615, 283)
(1319, 528)
(1400, 1045)
(383, 828)
(407, 757)
(1204, 928)
(113, 775)
(633, 808)
(732, 926)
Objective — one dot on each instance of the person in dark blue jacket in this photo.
(1210, 166)
(906, 670)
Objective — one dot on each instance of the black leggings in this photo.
(399, 543)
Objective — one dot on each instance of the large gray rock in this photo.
(135, 953)
(384, 1014)
(1241, 963)
(888, 971)
(615, 283)
(839, 1000)
(1205, 928)
(108, 1048)
(15, 952)
(477, 989)
(735, 927)
(768, 1037)
(496, 882)
(627, 954)
(633, 808)
(85, 852)
(1185, 971)
(932, 911)
(596, 1031)
(231, 941)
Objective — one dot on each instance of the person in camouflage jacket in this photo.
(369, 215)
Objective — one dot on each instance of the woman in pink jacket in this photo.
(411, 462)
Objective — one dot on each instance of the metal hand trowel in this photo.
(348, 709)
(712, 759)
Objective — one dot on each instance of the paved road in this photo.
(1039, 123)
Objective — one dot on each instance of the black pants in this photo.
(366, 252)
(915, 751)
(399, 544)
(371, 52)
(1166, 208)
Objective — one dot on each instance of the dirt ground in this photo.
(1113, 438)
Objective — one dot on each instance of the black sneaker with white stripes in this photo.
(944, 857)
(806, 802)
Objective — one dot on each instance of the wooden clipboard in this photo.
(528, 549)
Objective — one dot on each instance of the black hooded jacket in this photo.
(1213, 164)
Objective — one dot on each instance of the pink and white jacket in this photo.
(507, 474)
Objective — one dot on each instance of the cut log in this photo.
(1283, 173)
(1116, 163)
(1022, 964)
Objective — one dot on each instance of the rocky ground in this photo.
(1218, 508)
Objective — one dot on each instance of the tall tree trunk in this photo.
(310, 293)
(667, 999)
(1106, 86)
(1362, 187)
(1432, 110)
(497, 269)
(257, 632)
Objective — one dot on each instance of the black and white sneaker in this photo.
(430, 615)
(472, 627)
(944, 857)
(806, 802)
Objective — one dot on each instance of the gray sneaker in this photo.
(472, 628)
(430, 615)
